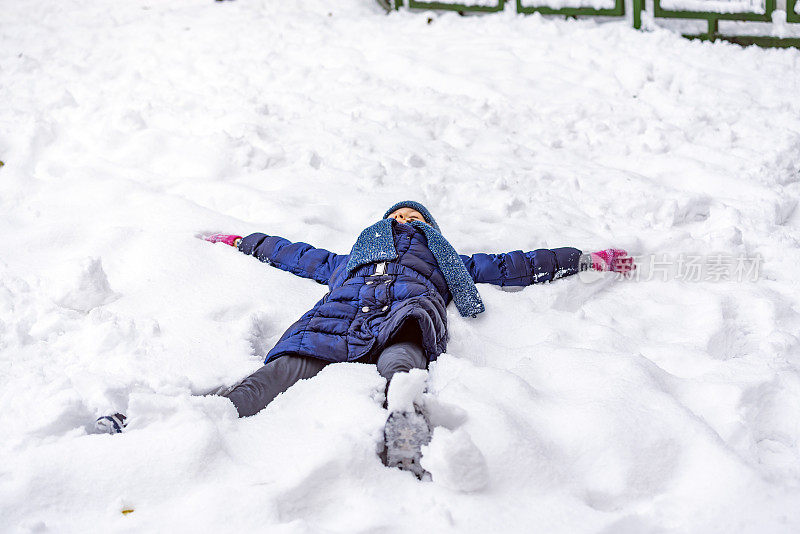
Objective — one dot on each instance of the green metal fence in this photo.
(454, 6)
(791, 15)
(714, 18)
(617, 11)
(659, 12)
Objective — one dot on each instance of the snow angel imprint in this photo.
(386, 306)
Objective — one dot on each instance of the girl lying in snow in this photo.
(386, 306)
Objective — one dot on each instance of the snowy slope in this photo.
(606, 406)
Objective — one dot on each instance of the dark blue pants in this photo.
(253, 393)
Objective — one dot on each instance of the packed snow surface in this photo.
(665, 404)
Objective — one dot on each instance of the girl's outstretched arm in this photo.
(297, 258)
(519, 268)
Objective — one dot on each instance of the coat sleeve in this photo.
(297, 258)
(519, 268)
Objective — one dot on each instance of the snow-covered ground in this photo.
(609, 406)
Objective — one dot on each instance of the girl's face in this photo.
(404, 215)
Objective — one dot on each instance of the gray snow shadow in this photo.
(263, 333)
(572, 301)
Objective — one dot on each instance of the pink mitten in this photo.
(612, 259)
(232, 240)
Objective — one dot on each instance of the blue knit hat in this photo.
(414, 206)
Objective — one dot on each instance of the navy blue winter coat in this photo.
(363, 311)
